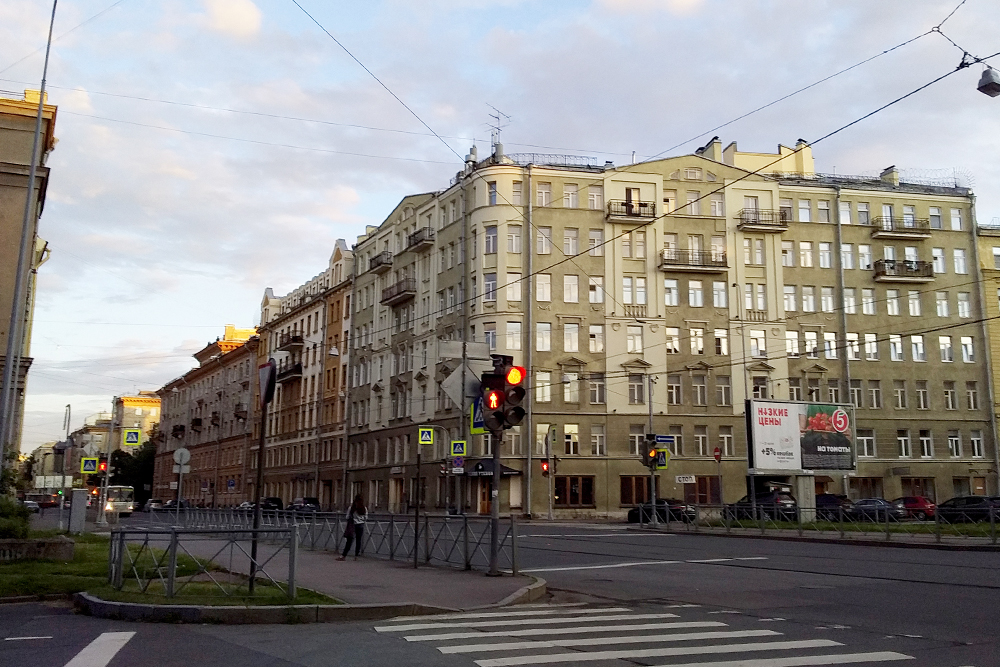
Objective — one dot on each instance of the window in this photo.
(871, 347)
(788, 253)
(964, 305)
(492, 192)
(573, 491)
(596, 289)
(826, 299)
(693, 202)
(785, 209)
(823, 211)
(847, 255)
(627, 290)
(515, 198)
(960, 266)
(671, 292)
(864, 215)
(513, 286)
(805, 254)
(673, 340)
(489, 287)
(947, 352)
(701, 440)
(639, 245)
(595, 197)
(896, 347)
(597, 338)
(636, 438)
(792, 343)
(850, 301)
(923, 400)
(760, 387)
(543, 337)
(753, 251)
(833, 390)
(937, 260)
(956, 219)
(513, 239)
(543, 194)
(640, 291)
(596, 242)
(913, 300)
(866, 442)
(917, 346)
(976, 440)
(950, 396)
(892, 302)
(716, 206)
(899, 394)
(811, 344)
(543, 287)
(758, 344)
(853, 347)
(699, 390)
(571, 241)
(867, 301)
(696, 297)
(845, 212)
(968, 350)
(544, 240)
(865, 257)
(941, 303)
(674, 395)
(874, 395)
(903, 443)
(543, 387)
(697, 338)
(636, 392)
(598, 389)
(513, 335)
(633, 339)
(598, 440)
(805, 210)
(934, 213)
(722, 342)
(720, 294)
(955, 443)
(571, 337)
(972, 395)
(808, 298)
(726, 443)
(830, 345)
(926, 444)
(571, 388)
(826, 255)
(723, 390)
(635, 488)
(856, 393)
(571, 289)
(791, 298)
(571, 196)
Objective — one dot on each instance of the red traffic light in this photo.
(545, 467)
(102, 466)
(493, 399)
(516, 375)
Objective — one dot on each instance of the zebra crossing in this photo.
(582, 634)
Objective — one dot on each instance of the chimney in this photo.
(890, 175)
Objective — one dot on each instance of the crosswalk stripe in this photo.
(578, 656)
(600, 641)
(99, 652)
(534, 632)
(522, 621)
(803, 660)
(506, 614)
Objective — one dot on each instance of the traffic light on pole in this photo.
(492, 390)
(514, 393)
(102, 466)
(545, 467)
(649, 451)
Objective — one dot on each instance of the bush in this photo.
(15, 519)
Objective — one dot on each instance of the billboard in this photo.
(794, 436)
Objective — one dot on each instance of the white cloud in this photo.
(679, 7)
(236, 18)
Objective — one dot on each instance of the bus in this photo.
(120, 499)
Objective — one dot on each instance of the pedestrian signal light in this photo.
(492, 392)
(545, 468)
(494, 399)
(102, 466)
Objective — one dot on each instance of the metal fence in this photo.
(174, 561)
(839, 522)
(452, 540)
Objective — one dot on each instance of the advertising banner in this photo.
(793, 436)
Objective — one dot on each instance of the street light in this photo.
(989, 83)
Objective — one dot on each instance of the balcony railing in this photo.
(893, 270)
(402, 291)
(289, 372)
(901, 228)
(693, 260)
(762, 219)
(381, 262)
(422, 238)
(290, 343)
(632, 209)
(635, 311)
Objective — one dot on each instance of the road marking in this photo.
(752, 558)
(618, 534)
(21, 639)
(580, 630)
(599, 641)
(802, 661)
(578, 656)
(768, 620)
(507, 614)
(99, 652)
(602, 567)
(522, 621)
(709, 560)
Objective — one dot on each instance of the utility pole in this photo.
(102, 519)
(62, 481)
(527, 295)
(266, 377)
(652, 468)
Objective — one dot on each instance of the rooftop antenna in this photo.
(500, 121)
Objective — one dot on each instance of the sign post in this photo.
(718, 461)
(267, 376)
(131, 437)
(182, 456)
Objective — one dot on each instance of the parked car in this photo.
(152, 504)
(775, 505)
(968, 508)
(677, 510)
(877, 509)
(245, 505)
(32, 505)
(304, 505)
(172, 504)
(917, 507)
(272, 503)
(833, 507)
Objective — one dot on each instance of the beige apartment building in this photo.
(662, 295)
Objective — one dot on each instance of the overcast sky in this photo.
(209, 149)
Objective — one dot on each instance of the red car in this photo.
(918, 507)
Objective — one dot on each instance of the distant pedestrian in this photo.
(354, 531)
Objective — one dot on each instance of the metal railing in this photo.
(907, 268)
(903, 226)
(632, 209)
(383, 260)
(760, 217)
(453, 540)
(693, 258)
(424, 235)
(400, 291)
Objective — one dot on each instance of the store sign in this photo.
(793, 436)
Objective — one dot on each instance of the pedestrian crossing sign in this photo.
(425, 435)
(662, 459)
(458, 447)
(131, 437)
(88, 465)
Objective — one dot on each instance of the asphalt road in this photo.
(647, 599)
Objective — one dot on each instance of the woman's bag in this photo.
(349, 529)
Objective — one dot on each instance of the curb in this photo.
(46, 597)
(533, 591)
(863, 542)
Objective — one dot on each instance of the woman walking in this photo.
(355, 529)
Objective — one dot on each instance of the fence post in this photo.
(465, 542)
(171, 562)
(840, 519)
(120, 561)
(887, 533)
(513, 544)
(937, 526)
(761, 519)
(697, 517)
(427, 538)
(799, 522)
(293, 556)
(392, 529)
(993, 524)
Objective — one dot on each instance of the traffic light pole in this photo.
(102, 519)
(652, 465)
(497, 437)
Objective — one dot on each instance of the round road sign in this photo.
(717, 454)
(182, 456)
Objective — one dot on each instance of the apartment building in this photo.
(660, 296)
(207, 410)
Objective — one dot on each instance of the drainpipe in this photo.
(324, 349)
(344, 493)
(843, 311)
(527, 296)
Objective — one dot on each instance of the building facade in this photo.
(207, 410)
(657, 297)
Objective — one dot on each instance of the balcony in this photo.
(240, 411)
(177, 431)
(700, 261)
(754, 316)
(421, 239)
(631, 209)
(196, 424)
(290, 343)
(903, 271)
(635, 311)
(761, 220)
(381, 262)
(399, 293)
(289, 372)
(900, 228)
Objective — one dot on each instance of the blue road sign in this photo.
(458, 448)
(477, 425)
(231, 484)
(664, 439)
(425, 435)
(88, 465)
(458, 462)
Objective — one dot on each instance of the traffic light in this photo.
(514, 393)
(102, 466)
(545, 467)
(649, 451)
(492, 387)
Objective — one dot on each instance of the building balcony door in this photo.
(395, 495)
(485, 488)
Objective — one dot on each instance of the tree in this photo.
(135, 470)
